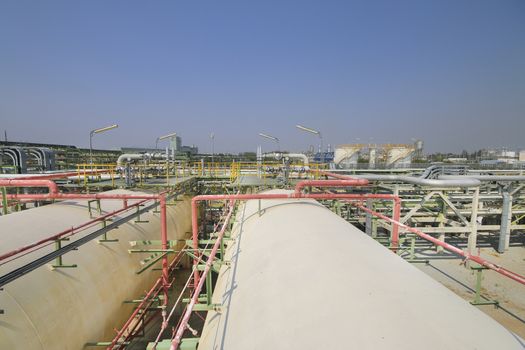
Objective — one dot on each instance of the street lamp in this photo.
(273, 138)
(316, 132)
(97, 131)
(173, 134)
(212, 137)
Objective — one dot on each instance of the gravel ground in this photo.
(452, 273)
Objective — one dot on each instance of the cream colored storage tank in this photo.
(303, 278)
(66, 308)
(346, 156)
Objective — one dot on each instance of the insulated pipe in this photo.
(484, 177)
(465, 182)
(53, 188)
(128, 157)
(329, 183)
(301, 156)
(444, 181)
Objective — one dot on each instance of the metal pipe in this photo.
(144, 304)
(184, 323)
(329, 183)
(164, 245)
(396, 212)
(444, 181)
(53, 188)
(64, 196)
(276, 155)
(484, 177)
(463, 182)
(66, 232)
(129, 156)
(477, 259)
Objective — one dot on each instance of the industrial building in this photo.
(146, 249)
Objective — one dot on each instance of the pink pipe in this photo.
(63, 196)
(65, 232)
(53, 188)
(334, 175)
(164, 245)
(501, 270)
(148, 297)
(184, 323)
(144, 304)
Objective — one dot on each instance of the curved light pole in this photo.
(97, 131)
(212, 137)
(173, 134)
(273, 138)
(315, 132)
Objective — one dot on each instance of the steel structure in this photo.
(391, 206)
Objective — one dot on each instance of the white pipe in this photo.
(463, 182)
(484, 177)
(128, 157)
(301, 156)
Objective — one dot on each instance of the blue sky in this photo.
(449, 72)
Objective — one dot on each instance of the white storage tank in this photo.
(66, 308)
(347, 156)
(301, 277)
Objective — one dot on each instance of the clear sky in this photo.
(451, 72)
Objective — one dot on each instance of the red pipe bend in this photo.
(53, 188)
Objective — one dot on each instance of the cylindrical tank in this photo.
(301, 277)
(372, 151)
(399, 155)
(346, 156)
(66, 308)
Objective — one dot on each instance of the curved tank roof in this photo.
(303, 278)
(65, 308)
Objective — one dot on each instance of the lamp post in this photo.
(93, 132)
(273, 138)
(212, 138)
(173, 134)
(316, 132)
